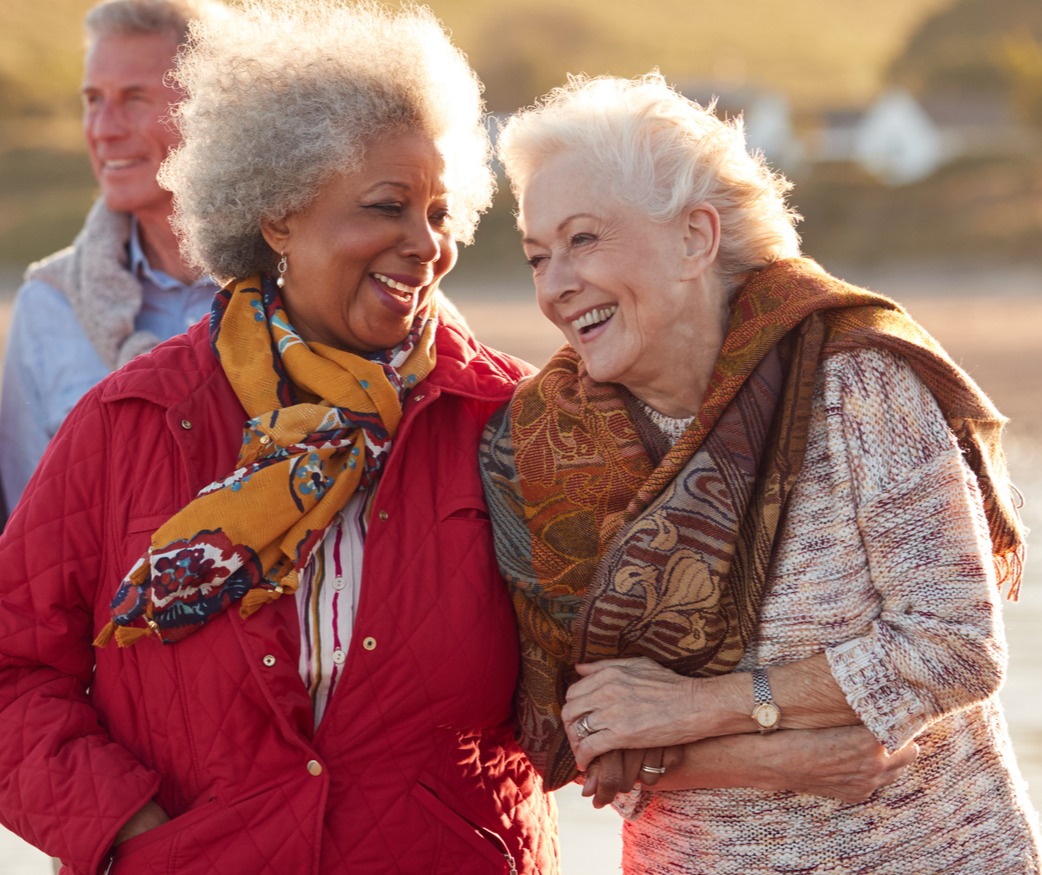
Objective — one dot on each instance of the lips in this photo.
(396, 288)
(591, 318)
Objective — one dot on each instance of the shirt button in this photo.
(186, 424)
(269, 660)
(339, 582)
(383, 515)
(369, 644)
(314, 768)
(339, 657)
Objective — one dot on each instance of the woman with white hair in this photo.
(745, 496)
(277, 517)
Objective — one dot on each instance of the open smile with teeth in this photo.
(593, 317)
(399, 290)
(120, 163)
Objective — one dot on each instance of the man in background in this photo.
(121, 287)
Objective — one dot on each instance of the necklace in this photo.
(670, 427)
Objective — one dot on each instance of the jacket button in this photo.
(369, 643)
(314, 768)
(269, 660)
(418, 397)
(186, 424)
(383, 515)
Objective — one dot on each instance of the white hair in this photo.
(663, 153)
(293, 93)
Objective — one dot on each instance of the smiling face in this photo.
(366, 255)
(637, 299)
(125, 106)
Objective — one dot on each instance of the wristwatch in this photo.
(766, 714)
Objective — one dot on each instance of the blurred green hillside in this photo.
(819, 53)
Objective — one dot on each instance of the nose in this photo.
(423, 242)
(558, 279)
(105, 120)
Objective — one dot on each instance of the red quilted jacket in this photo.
(413, 769)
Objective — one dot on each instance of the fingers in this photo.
(619, 771)
(652, 767)
(588, 740)
(608, 773)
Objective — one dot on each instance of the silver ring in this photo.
(583, 728)
(654, 770)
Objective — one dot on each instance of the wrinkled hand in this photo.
(629, 703)
(845, 763)
(619, 771)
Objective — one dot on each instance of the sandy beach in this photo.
(991, 324)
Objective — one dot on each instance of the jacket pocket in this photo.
(250, 834)
(464, 507)
(488, 844)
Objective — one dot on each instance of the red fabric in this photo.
(419, 769)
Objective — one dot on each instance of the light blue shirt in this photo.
(50, 363)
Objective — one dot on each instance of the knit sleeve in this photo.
(937, 644)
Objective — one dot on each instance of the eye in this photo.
(581, 239)
(440, 218)
(535, 261)
(387, 208)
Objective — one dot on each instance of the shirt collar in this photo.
(140, 267)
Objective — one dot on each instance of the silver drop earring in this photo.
(283, 264)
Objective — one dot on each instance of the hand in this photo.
(845, 763)
(148, 817)
(628, 704)
(619, 771)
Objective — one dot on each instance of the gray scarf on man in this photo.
(94, 275)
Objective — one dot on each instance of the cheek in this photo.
(449, 255)
(543, 300)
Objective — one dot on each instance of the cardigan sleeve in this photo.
(937, 644)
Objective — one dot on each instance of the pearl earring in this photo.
(283, 264)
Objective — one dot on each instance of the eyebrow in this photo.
(561, 225)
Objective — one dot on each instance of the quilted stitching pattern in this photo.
(417, 746)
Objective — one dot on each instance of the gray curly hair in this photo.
(661, 152)
(293, 93)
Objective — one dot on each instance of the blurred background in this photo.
(911, 128)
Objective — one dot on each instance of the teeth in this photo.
(598, 314)
(406, 291)
(120, 164)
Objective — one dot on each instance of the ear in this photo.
(275, 233)
(701, 229)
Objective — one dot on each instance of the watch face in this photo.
(766, 715)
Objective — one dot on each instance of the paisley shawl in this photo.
(609, 555)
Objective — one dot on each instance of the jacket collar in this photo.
(174, 369)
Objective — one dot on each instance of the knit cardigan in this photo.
(884, 565)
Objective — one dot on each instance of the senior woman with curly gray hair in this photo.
(744, 496)
(278, 517)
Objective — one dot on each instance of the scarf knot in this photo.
(322, 423)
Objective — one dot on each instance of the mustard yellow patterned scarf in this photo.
(322, 422)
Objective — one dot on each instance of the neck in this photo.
(161, 247)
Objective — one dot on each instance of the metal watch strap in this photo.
(765, 712)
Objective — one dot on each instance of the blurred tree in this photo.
(965, 48)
